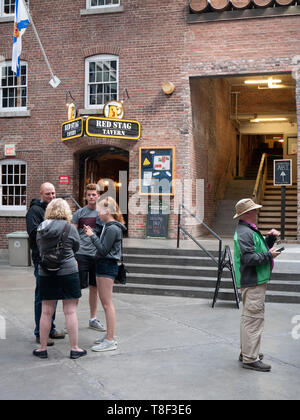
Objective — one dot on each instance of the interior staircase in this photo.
(270, 215)
(190, 273)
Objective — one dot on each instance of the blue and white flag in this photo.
(21, 22)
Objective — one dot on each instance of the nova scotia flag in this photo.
(20, 25)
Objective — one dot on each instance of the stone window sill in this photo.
(4, 19)
(13, 213)
(14, 114)
(98, 111)
(101, 11)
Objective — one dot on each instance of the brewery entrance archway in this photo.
(109, 165)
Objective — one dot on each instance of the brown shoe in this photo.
(57, 335)
(258, 366)
(49, 344)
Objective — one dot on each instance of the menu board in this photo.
(158, 221)
(157, 168)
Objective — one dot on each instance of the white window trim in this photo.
(89, 6)
(7, 16)
(100, 57)
(12, 110)
(13, 211)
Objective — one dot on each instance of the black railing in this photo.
(224, 259)
(70, 197)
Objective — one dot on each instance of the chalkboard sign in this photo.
(283, 172)
(158, 221)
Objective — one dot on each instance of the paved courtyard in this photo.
(169, 349)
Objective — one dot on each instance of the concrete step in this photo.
(203, 293)
(169, 260)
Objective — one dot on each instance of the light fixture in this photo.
(257, 120)
(168, 88)
(268, 81)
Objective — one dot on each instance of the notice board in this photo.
(157, 170)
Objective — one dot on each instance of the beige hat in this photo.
(245, 205)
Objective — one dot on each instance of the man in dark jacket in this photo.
(253, 260)
(34, 217)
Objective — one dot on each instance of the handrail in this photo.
(71, 198)
(217, 262)
(260, 175)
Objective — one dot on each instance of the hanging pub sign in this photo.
(157, 170)
(72, 129)
(113, 128)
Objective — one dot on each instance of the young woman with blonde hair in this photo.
(63, 284)
(109, 251)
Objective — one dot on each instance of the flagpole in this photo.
(54, 82)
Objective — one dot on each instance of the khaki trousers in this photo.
(252, 321)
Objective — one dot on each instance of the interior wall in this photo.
(214, 139)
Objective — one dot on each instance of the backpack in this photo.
(51, 258)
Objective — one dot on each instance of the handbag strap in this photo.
(63, 238)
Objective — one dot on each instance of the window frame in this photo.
(90, 7)
(8, 15)
(16, 108)
(11, 209)
(97, 58)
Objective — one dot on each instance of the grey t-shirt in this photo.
(88, 217)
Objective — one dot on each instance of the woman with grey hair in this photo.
(64, 283)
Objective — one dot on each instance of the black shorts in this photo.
(54, 287)
(87, 270)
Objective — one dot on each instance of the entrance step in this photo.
(190, 273)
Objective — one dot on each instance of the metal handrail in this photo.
(181, 228)
(71, 198)
(260, 179)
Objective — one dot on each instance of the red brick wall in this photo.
(154, 44)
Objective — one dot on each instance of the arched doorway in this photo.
(105, 163)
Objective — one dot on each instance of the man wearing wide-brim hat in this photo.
(253, 261)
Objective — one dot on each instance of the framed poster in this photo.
(157, 170)
(292, 145)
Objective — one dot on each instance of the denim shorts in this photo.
(107, 268)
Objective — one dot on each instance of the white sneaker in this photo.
(105, 345)
(100, 340)
(96, 325)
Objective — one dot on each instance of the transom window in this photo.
(7, 7)
(101, 75)
(13, 90)
(103, 3)
(13, 181)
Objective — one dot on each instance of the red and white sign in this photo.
(9, 150)
(64, 180)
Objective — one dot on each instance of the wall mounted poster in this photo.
(157, 169)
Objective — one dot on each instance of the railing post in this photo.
(178, 227)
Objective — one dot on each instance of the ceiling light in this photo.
(257, 120)
(264, 81)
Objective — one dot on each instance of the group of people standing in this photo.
(90, 257)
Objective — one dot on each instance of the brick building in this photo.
(126, 50)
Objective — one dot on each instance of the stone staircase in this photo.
(270, 214)
(190, 273)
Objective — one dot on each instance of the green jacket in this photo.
(253, 262)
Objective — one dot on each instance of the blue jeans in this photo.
(38, 305)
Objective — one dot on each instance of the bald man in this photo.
(34, 217)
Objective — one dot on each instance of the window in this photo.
(7, 7)
(13, 90)
(13, 179)
(101, 75)
(102, 3)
